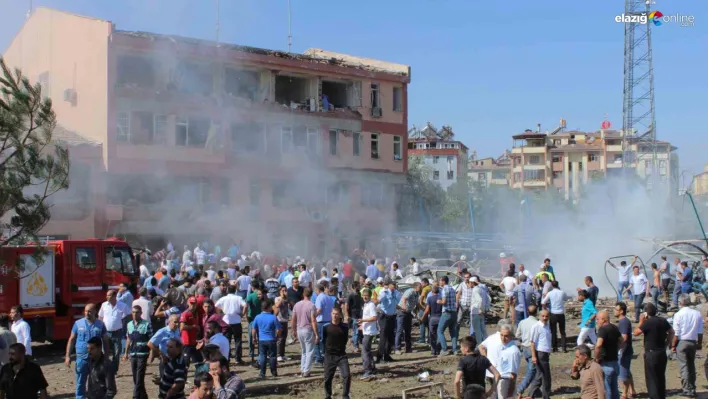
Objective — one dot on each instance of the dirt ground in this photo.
(390, 380)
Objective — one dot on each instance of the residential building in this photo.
(700, 183)
(490, 171)
(567, 160)
(202, 140)
(442, 154)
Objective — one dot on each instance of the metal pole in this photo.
(217, 20)
(470, 204)
(695, 210)
(290, 29)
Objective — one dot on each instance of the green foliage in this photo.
(32, 168)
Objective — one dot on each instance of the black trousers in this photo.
(192, 355)
(542, 380)
(386, 336)
(283, 338)
(235, 331)
(138, 366)
(655, 373)
(433, 323)
(557, 323)
(331, 363)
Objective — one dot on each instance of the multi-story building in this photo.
(567, 160)
(204, 140)
(445, 156)
(700, 183)
(490, 171)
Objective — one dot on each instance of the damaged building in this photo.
(204, 140)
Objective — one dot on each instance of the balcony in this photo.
(534, 166)
(614, 148)
(534, 183)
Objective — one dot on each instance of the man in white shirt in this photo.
(112, 313)
(639, 288)
(491, 349)
(508, 364)
(522, 270)
(540, 355)
(243, 282)
(215, 337)
(477, 325)
(186, 255)
(523, 334)
(557, 299)
(624, 270)
(508, 284)
(305, 277)
(415, 269)
(21, 328)
(200, 255)
(688, 325)
(145, 305)
(369, 329)
(464, 301)
(233, 308)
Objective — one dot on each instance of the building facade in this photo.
(490, 171)
(441, 153)
(201, 140)
(568, 160)
(700, 183)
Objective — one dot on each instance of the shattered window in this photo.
(196, 79)
(135, 71)
(241, 83)
(247, 136)
(374, 146)
(123, 127)
(300, 136)
(397, 148)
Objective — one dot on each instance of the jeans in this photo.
(267, 349)
(686, 355)
(530, 372)
(319, 348)
(82, 373)
(655, 292)
(423, 327)
(703, 288)
(447, 320)
(235, 331)
(332, 363)
(307, 347)
(520, 316)
(367, 356)
(404, 323)
(542, 379)
(676, 293)
(621, 286)
(243, 294)
(251, 347)
(655, 373)
(116, 342)
(611, 371)
(138, 366)
(283, 338)
(477, 324)
(433, 324)
(638, 299)
(356, 334)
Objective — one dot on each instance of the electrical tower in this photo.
(638, 117)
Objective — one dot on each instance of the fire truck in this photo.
(72, 274)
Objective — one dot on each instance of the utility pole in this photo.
(290, 29)
(218, 17)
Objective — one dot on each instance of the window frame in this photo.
(398, 143)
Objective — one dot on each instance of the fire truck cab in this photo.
(74, 273)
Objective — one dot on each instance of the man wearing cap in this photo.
(389, 299)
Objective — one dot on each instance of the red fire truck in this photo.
(74, 273)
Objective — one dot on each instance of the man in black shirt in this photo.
(609, 340)
(472, 368)
(354, 306)
(335, 336)
(21, 378)
(658, 334)
(295, 292)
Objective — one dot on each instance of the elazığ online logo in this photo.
(656, 17)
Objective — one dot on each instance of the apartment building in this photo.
(203, 140)
(441, 153)
(567, 160)
(490, 171)
(700, 183)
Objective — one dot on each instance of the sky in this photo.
(489, 69)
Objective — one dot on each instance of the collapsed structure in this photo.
(188, 139)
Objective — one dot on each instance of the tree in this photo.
(32, 166)
(420, 200)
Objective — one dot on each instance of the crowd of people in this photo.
(192, 314)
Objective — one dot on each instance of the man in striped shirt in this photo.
(448, 300)
(136, 348)
(174, 376)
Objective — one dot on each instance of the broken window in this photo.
(241, 83)
(192, 132)
(312, 140)
(398, 99)
(142, 127)
(195, 79)
(397, 148)
(375, 100)
(160, 130)
(123, 127)
(450, 174)
(247, 136)
(333, 142)
(374, 146)
(135, 71)
(286, 139)
(300, 136)
(436, 158)
(290, 89)
(335, 94)
(436, 175)
(356, 144)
